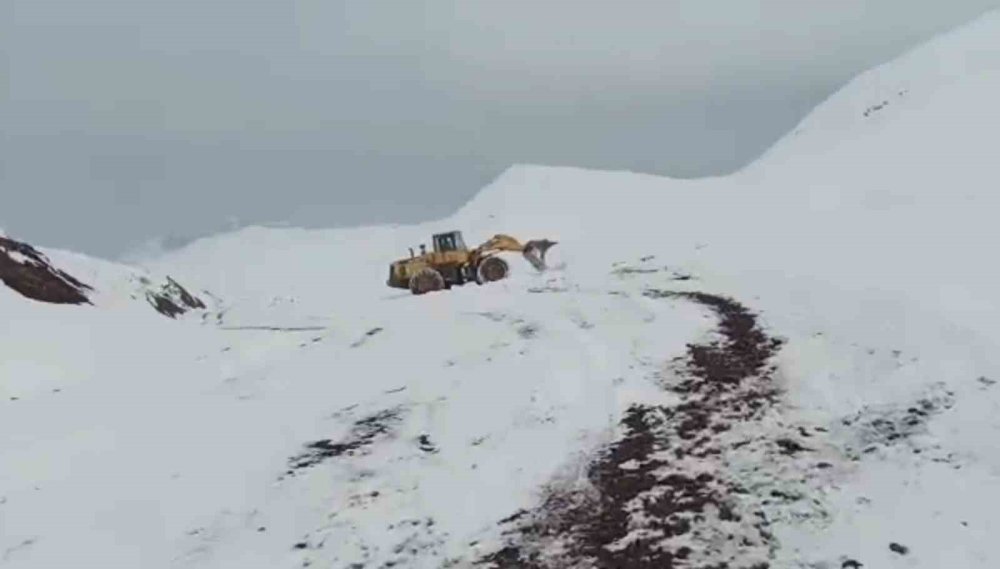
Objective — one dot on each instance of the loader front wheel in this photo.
(427, 280)
(492, 269)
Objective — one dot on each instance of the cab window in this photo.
(446, 243)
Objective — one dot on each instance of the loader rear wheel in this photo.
(427, 280)
(492, 269)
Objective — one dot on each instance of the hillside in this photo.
(788, 367)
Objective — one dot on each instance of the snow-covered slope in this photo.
(64, 314)
(790, 366)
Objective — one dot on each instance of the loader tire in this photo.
(427, 280)
(492, 269)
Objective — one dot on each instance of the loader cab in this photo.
(451, 241)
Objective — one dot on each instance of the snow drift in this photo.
(788, 367)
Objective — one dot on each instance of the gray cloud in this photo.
(124, 120)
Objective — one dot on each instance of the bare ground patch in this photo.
(364, 432)
(660, 496)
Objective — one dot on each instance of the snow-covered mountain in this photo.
(792, 366)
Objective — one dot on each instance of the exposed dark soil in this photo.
(641, 492)
(363, 433)
(33, 276)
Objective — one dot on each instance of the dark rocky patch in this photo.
(790, 447)
(363, 433)
(425, 444)
(172, 300)
(899, 548)
(28, 272)
(638, 494)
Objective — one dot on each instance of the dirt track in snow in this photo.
(662, 496)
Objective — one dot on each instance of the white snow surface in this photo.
(864, 239)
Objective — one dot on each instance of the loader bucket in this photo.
(534, 252)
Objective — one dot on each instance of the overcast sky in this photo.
(127, 120)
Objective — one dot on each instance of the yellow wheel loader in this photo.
(451, 263)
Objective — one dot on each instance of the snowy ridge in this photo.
(888, 92)
(790, 367)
